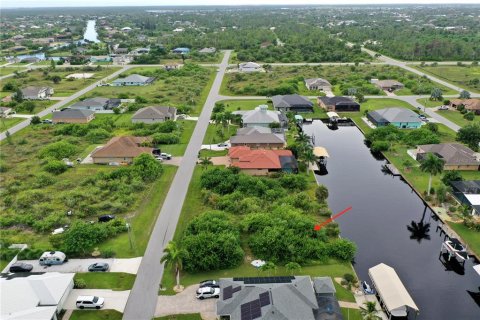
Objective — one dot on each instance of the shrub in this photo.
(98, 135)
(35, 120)
(108, 253)
(55, 166)
(79, 283)
(30, 254)
(342, 249)
(470, 116)
(380, 146)
(165, 138)
(58, 150)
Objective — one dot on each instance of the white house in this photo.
(37, 93)
(249, 67)
(39, 296)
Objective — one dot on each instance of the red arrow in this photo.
(319, 226)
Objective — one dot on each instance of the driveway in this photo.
(81, 265)
(220, 161)
(113, 299)
(174, 161)
(215, 147)
(185, 302)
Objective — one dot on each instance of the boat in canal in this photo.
(455, 249)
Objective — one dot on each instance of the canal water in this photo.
(90, 33)
(382, 208)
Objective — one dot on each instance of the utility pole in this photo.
(129, 229)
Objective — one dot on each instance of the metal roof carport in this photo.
(391, 290)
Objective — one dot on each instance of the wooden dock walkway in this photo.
(392, 169)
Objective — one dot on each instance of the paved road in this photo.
(60, 104)
(142, 301)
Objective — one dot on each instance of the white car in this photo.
(208, 292)
(166, 156)
(90, 302)
(443, 108)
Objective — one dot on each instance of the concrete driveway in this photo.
(81, 265)
(175, 161)
(113, 299)
(185, 302)
(220, 161)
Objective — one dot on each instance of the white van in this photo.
(90, 302)
(52, 257)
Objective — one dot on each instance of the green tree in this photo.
(28, 106)
(432, 165)
(147, 167)
(18, 96)
(436, 94)
(369, 311)
(56, 79)
(35, 120)
(205, 162)
(58, 150)
(470, 135)
(53, 65)
(451, 175)
(81, 237)
(173, 256)
(309, 158)
(464, 94)
(269, 267)
(321, 193)
(293, 267)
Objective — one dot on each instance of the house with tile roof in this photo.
(73, 116)
(121, 150)
(274, 298)
(133, 80)
(401, 118)
(261, 162)
(472, 105)
(389, 85)
(455, 155)
(258, 138)
(154, 114)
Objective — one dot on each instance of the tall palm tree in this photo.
(205, 162)
(302, 138)
(173, 256)
(369, 312)
(433, 165)
(309, 158)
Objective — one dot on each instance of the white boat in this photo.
(455, 247)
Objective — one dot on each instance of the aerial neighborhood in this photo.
(293, 162)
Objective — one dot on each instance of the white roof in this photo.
(332, 114)
(474, 199)
(39, 294)
(391, 290)
(320, 152)
(477, 268)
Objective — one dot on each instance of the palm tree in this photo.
(433, 165)
(173, 256)
(436, 94)
(205, 162)
(302, 138)
(309, 158)
(369, 312)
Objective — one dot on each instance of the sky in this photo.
(100, 3)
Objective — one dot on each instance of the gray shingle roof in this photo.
(98, 101)
(337, 100)
(71, 114)
(291, 101)
(452, 153)
(155, 112)
(395, 115)
(259, 116)
(323, 285)
(257, 137)
(134, 78)
(317, 82)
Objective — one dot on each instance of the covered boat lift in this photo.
(393, 295)
(321, 154)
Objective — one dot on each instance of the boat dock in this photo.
(394, 171)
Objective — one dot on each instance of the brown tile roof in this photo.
(122, 147)
(469, 104)
(257, 159)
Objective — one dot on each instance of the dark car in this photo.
(209, 283)
(106, 218)
(99, 266)
(21, 267)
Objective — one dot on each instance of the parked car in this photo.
(90, 302)
(99, 266)
(181, 116)
(159, 158)
(166, 156)
(106, 218)
(49, 258)
(209, 283)
(422, 117)
(48, 121)
(21, 267)
(208, 292)
(443, 108)
(222, 145)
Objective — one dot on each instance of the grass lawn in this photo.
(351, 314)
(179, 148)
(116, 281)
(430, 103)
(212, 153)
(65, 87)
(3, 264)
(9, 70)
(144, 220)
(192, 316)
(236, 105)
(460, 76)
(408, 92)
(96, 315)
(187, 90)
(212, 137)
(6, 123)
(457, 117)
(471, 237)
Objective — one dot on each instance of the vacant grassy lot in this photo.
(35, 201)
(185, 88)
(283, 80)
(96, 315)
(216, 133)
(6, 123)
(457, 117)
(430, 103)
(66, 87)
(179, 149)
(467, 77)
(116, 281)
(9, 70)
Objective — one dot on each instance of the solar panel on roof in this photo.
(237, 289)
(227, 292)
(258, 280)
(264, 299)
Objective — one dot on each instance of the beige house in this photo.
(472, 105)
(154, 114)
(258, 138)
(455, 155)
(389, 85)
(73, 116)
(121, 150)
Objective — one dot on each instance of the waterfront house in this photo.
(455, 155)
(73, 116)
(292, 102)
(154, 114)
(97, 104)
(258, 138)
(318, 84)
(467, 193)
(261, 117)
(37, 93)
(133, 80)
(261, 162)
(401, 118)
(121, 150)
(338, 104)
(249, 67)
